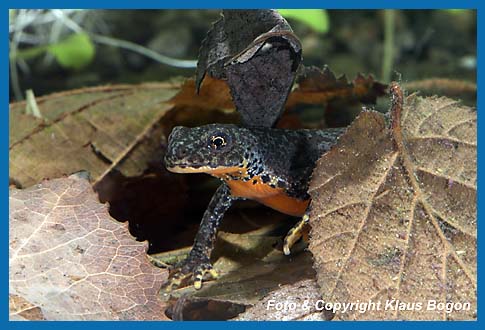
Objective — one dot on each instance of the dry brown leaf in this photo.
(93, 129)
(69, 260)
(320, 86)
(247, 283)
(394, 211)
(315, 86)
(250, 266)
(213, 94)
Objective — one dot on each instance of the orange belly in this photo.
(276, 198)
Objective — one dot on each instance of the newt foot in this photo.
(190, 268)
(295, 233)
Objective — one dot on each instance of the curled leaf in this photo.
(231, 34)
(256, 51)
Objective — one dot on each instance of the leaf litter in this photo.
(370, 147)
(421, 186)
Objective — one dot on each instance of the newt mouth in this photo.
(182, 168)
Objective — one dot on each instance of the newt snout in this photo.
(212, 149)
(175, 151)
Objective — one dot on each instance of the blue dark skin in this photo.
(272, 166)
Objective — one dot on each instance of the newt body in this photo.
(255, 161)
(271, 166)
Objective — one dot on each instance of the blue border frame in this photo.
(185, 4)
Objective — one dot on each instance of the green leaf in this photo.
(316, 19)
(74, 52)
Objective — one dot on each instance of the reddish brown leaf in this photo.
(316, 86)
(213, 94)
(69, 260)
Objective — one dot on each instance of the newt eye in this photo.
(218, 142)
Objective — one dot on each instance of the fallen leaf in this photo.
(213, 94)
(248, 283)
(69, 260)
(258, 54)
(320, 86)
(394, 212)
(251, 265)
(230, 35)
(93, 129)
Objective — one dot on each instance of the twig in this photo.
(444, 86)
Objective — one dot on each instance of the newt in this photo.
(254, 161)
(271, 166)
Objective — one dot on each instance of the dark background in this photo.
(427, 44)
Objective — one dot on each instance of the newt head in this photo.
(213, 149)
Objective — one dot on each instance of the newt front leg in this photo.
(198, 264)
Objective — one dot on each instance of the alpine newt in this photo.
(271, 166)
(255, 161)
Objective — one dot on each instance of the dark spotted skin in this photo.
(282, 158)
(275, 158)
